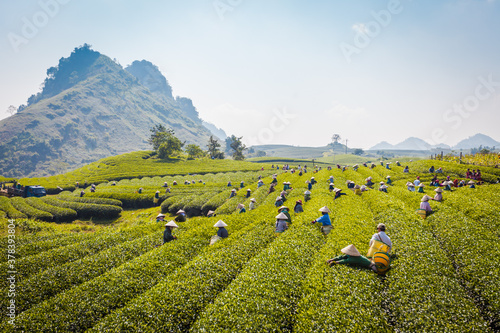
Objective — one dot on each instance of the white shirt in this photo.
(382, 237)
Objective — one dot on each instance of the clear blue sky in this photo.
(284, 71)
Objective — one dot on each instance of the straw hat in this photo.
(425, 198)
(278, 198)
(157, 191)
(381, 183)
(160, 215)
(249, 190)
(351, 250)
(220, 224)
(471, 182)
(357, 186)
(337, 190)
(411, 184)
(282, 207)
(240, 205)
(308, 181)
(288, 183)
(233, 190)
(369, 178)
(363, 187)
(312, 177)
(388, 177)
(281, 216)
(253, 200)
(210, 212)
(383, 187)
(421, 185)
(331, 184)
(439, 190)
(307, 192)
(284, 183)
(171, 224)
(324, 210)
(348, 182)
(180, 211)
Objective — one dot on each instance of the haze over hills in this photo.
(418, 144)
(90, 108)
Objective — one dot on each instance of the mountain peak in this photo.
(476, 141)
(150, 76)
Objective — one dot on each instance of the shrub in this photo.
(6, 206)
(60, 214)
(85, 210)
(21, 205)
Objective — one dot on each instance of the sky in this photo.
(284, 71)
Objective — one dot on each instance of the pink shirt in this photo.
(425, 205)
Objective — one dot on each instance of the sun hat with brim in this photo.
(439, 190)
(425, 198)
(324, 209)
(357, 186)
(220, 224)
(307, 192)
(253, 200)
(171, 224)
(299, 202)
(351, 250)
(160, 215)
(180, 211)
(471, 182)
(281, 216)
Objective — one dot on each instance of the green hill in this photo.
(91, 108)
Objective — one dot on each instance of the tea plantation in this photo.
(94, 262)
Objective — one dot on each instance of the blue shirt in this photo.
(324, 220)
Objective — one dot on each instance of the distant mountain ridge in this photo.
(413, 143)
(90, 108)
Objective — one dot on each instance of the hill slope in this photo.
(91, 108)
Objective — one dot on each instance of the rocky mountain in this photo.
(476, 141)
(218, 132)
(90, 108)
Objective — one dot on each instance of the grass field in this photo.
(107, 273)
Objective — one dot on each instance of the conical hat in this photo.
(357, 186)
(351, 250)
(307, 192)
(180, 211)
(283, 207)
(388, 177)
(348, 182)
(425, 198)
(160, 215)
(324, 209)
(411, 184)
(471, 182)
(337, 189)
(439, 190)
(240, 206)
(331, 184)
(381, 183)
(253, 200)
(363, 186)
(281, 216)
(421, 185)
(249, 190)
(299, 202)
(278, 198)
(369, 178)
(308, 181)
(383, 186)
(210, 212)
(220, 224)
(171, 224)
(233, 190)
(312, 177)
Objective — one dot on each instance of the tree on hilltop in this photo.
(237, 147)
(213, 148)
(164, 141)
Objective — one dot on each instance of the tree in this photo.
(336, 138)
(237, 147)
(358, 151)
(164, 141)
(213, 148)
(194, 151)
(228, 145)
(11, 110)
